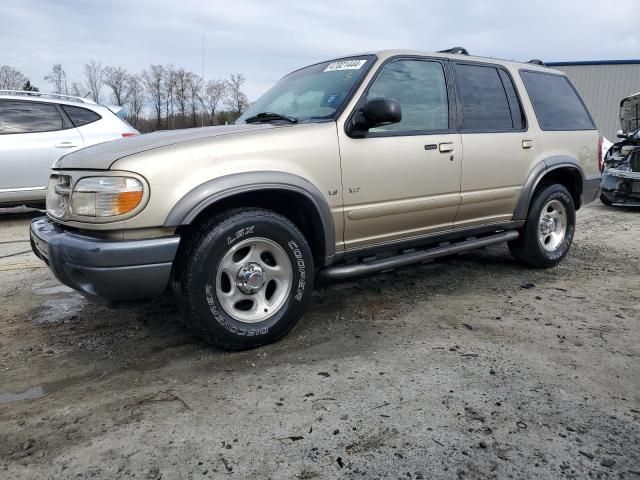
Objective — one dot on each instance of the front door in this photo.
(403, 180)
(33, 135)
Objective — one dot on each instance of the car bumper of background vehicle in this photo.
(590, 189)
(107, 270)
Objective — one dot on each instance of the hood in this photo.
(102, 155)
(630, 113)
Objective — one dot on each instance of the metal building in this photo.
(602, 84)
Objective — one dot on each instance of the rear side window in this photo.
(485, 106)
(420, 88)
(28, 117)
(80, 116)
(556, 103)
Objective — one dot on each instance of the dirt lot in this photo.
(473, 367)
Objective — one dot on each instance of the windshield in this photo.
(313, 93)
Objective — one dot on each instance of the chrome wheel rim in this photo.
(253, 280)
(552, 226)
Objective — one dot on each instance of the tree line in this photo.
(160, 97)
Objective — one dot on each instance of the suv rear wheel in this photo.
(545, 239)
(244, 278)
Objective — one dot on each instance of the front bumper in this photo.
(621, 187)
(107, 270)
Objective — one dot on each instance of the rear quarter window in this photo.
(28, 117)
(80, 116)
(556, 103)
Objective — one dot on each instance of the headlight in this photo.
(105, 196)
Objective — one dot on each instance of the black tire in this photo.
(194, 278)
(605, 200)
(527, 248)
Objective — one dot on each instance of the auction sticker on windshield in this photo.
(345, 65)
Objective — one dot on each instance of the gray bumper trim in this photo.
(105, 269)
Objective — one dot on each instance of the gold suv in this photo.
(346, 167)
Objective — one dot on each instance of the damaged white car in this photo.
(621, 165)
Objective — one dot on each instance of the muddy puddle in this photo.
(43, 389)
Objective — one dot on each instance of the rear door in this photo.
(33, 135)
(499, 148)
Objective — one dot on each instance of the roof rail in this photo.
(47, 95)
(455, 51)
(536, 61)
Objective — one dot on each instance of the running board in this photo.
(340, 272)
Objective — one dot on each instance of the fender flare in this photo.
(536, 174)
(206, 194)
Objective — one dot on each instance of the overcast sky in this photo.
(265, 39)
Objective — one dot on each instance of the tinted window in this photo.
(80, 116)
(420, 88)
(555, 102)
(484, 100)
(28, 117)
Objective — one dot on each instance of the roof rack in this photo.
(47, 95)
(455, 51)
(537, 61)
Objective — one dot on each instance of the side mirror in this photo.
(621, 134)
(377, 112)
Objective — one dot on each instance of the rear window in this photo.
(556, 103)
(28, 117)
(484, 100)
(80, 116)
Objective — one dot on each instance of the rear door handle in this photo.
(65, 145)
(527, 144)
(446, 147)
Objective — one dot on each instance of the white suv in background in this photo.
(38, 128)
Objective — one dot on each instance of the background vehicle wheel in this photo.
(548, 232)
(244, 278)
(605, 200)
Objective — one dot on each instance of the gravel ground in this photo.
(472, 367)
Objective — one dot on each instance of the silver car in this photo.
(38, 128)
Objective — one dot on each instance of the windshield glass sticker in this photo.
(345, 65)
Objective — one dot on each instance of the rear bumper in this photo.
(107, 270)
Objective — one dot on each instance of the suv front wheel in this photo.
(243, 278)
(548, 232)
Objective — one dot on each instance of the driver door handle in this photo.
(446, 147)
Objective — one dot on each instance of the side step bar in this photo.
(340, 272)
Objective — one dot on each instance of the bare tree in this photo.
(94, 73)
(135, 98)
(116, 79)
(182, 82)
(169, 86)
(153, 80)
(58, 78)
(78, 90)
(11, 79)
(195, 90)
(214, 92)
(237, 100)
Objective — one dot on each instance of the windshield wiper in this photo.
(269, 116)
